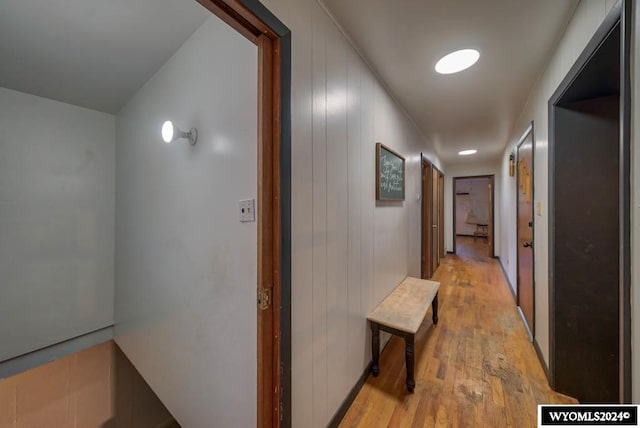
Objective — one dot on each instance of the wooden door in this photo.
(426, 220)
(435, 252)
(525, 282)
(441, 214)
(490, 219)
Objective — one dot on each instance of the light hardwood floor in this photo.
(476, 368)
(468, 246)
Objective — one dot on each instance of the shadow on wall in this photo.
(135, 405)
(94, 388)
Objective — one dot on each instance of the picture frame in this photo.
(390, 174)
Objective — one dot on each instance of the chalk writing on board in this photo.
(390, 174)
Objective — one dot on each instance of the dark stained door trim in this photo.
(626, 19)
(621, 13)
(435, 220)
(441, 218)
(426, 218)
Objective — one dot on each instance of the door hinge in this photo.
(264, 298)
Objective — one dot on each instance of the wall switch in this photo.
(247, 209)
(539, 208)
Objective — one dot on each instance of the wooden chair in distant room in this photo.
(482, 231)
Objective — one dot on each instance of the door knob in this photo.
(527, 244)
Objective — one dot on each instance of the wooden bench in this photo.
(401, 313)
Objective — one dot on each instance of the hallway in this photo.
(227, 208)
(475, 368)
(469, 247)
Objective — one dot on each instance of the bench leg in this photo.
(410, 360)
(434, 307)
(375, 348)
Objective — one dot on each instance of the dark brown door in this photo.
(441, 214)
(435, 252)
(426, 220)
(525, 229)
(490, 219)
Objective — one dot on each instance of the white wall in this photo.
(635, 209)
(588, 16)
(476, 202)
(186, 268)
(348, 252)
(469, 170)
(57, 192)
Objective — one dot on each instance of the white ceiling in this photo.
(477, 108)
(91, 53)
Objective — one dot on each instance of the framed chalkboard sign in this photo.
(389, 174)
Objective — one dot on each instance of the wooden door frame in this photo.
(425, 232)
(435, 214)
(492, 181)
(621, 13)
(273, 39)
(427, 235)
(441, 227)
(529, 130)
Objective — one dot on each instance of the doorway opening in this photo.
(273, 40)
(473, 215)
(589, 220)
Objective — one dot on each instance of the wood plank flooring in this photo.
(472, 247)
(476, 368)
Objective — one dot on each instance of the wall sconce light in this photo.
(512, 164)
(170, 133)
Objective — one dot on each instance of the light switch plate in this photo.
(247, 209)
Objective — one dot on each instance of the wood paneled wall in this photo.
(348, 252)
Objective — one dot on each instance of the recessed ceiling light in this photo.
(467, 152)
(457, 61)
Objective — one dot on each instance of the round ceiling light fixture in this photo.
(467, 152)
(457, 61)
